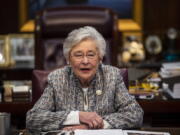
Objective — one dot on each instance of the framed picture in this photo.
(131, 11)
(122, 7)
(22, 50)
(4, 52)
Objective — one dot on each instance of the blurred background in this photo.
(148, 45)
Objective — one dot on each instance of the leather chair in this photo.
(39, 82)
(53, 25)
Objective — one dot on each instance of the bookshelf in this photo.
(16, 109)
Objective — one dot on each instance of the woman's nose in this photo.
(85, 60)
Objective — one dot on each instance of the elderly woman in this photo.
(84, 94)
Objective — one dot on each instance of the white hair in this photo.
(80, 34)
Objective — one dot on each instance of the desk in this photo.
(158, 112)
(160, 106)
(172, 131)
(165, 113)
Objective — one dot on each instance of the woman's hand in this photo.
(82, 126)
(92, 119)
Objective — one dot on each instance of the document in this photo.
(137, 132)
(99, 132)
(117, 132)
(104, 132)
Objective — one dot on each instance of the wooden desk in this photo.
(172, 131)
(160, 106)
(158, 112)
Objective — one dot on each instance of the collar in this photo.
(97, 79)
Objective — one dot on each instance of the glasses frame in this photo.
(84, 55)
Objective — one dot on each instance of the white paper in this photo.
(137, 132)
(175, 93)
(118, 132)
(171, 65)
(99, 132)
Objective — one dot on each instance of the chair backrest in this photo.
(39, 82)
(53, 25)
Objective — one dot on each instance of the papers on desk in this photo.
(136, 132)
(117, 132)
(170, 73)
(170, 69)
(173, 91)
(99, 132)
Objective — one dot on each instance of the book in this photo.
(21, 99)
(171, 65)
(21, 89)
(171, 69)
(21, 93)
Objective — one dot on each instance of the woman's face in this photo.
(84, 59)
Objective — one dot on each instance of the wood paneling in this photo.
(159, 15)
(9, 16)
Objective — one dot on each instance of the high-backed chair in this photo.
(53, 25)
(39, 82)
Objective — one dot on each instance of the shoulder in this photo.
(108, 69)
(110, 73)
(59, 73)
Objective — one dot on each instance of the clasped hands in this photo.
(88, 120)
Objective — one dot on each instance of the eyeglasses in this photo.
(81, 55)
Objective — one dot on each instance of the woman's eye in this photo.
(91, 55)
(78, 55)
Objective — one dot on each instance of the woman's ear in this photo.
(68, 60)
(100, 60)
